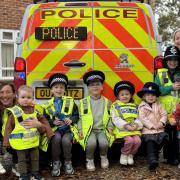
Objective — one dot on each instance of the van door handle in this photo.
(74, 64)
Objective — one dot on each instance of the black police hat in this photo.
(124, 85)
(57, 78)
(92, 76)
(149, 87)
(171, 52)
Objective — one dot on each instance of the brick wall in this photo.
(11, 13)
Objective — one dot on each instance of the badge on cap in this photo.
(173, 50)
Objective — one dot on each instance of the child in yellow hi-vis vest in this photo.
(22, 133)
(94, 123)
(125, 118)
(61, 112)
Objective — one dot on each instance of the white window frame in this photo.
(7, 41)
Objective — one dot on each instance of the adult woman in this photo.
(7, 99)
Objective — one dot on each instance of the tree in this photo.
(168, 12)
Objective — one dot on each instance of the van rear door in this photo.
(58, 38)
(124, 43)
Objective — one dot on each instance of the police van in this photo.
(72, 37)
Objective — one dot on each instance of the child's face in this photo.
(25, 98)
(172, 63)
(124, 96)
(177, 39)
(149, 98)
(95, 88)
(58, 90)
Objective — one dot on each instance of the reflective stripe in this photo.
(118, 110)
(109, 106)
(66, 109)
(164, 77)
(17, 111)
(21, 135)
(85, 106)
(50, 111)
(16, 136)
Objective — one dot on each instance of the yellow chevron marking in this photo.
(78, 73)
(106, 69)
(33, 8)
(144, 76)
(138, 33)
(116, 43)
(37, 73)
(54, 56)
(33, 43)
(64, 44)
(144, 7)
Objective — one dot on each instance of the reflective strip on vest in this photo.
(22, 138)
(85, 106)
(128, 111)
(21, 135)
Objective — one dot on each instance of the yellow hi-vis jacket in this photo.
(168, 101)
(67, 108)
(128, 112)
(22, 138)
(87, 121)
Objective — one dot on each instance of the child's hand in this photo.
(176, 86)
(31, 123)
(67, 121)
(172, 121)
(134, 126)
(110, 130)
(58, 122)
(160, 125)
(80, 135)
(128, 127)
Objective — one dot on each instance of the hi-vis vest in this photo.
(87, 120)
(168, 101)
(67, 108)
(127, 112)
(4, 119)
(22, 138)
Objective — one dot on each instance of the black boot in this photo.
(153, 165)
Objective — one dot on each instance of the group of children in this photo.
(96, 119)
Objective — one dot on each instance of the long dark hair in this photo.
(2, 84)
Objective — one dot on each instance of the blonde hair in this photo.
(174, 34)
(26, 88)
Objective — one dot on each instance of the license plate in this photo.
(45, 93)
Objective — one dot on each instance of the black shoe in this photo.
(173, 162)
(153, 165)
(36, 176)
(24, 177)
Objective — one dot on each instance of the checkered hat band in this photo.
(122, 85)
(58, 80)
(94, 77)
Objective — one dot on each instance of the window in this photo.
(7, 53)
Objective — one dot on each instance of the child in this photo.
(21, 133)
(168, 79)
(154, 118)
(175, 120)
(176, 38)
(125, 118)
(61, 111)
(94, 124)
